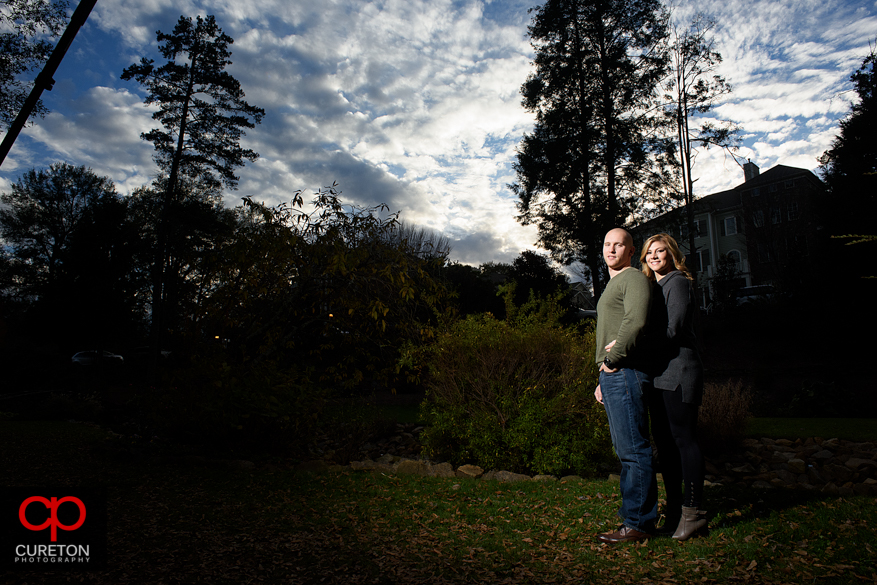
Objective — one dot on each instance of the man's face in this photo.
(617, 249)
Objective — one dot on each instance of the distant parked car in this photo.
(755, 294)
(90, 358)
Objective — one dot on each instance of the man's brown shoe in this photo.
(623, 534)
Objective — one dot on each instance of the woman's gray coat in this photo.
(681, 362)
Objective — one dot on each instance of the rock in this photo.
(762, 485)
(797, 466)
(831, 489)
(814, 476)
(472, 471)
(509, 477)
(837, 473)
(571, 478)
(823, 455)
(614, 478)
(442, 470)
(782, 456)
(367, 465)
(857, 464)
(745, 469)
(830, 444)
(784, 442)
(787, 476)
(413, 467)
(861, 489)
(544, 478)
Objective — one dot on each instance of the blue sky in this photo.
(415, 103)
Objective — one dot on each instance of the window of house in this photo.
(756, 191)
(794, 213)
(758, 218)
(702, 260)
(734, 256)
(698, 231)
(789, 184)
(776, 215)
(730, 226)
(772, 188)
(765, 254)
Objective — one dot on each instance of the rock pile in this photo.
(834, 466)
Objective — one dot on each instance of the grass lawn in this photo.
(174, 523)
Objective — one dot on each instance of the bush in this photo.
(723, 415)
(515, 395)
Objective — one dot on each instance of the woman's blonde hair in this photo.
(670, 243)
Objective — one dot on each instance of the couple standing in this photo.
(650, 368)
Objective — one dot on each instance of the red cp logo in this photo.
(52, 506)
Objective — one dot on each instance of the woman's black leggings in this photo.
(674, 428)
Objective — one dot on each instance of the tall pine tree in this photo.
(589, 164)
(203, 114)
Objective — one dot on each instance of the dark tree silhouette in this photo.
(588, 165)
(203, 114)
(24, 48)
(849, 167)
(73, 255)
(534, 273)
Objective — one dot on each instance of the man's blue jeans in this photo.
(624, 400)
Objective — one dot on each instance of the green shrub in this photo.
(515, 395)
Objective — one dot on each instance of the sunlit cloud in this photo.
(415, 103)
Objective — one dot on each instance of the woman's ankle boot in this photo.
(693, 522)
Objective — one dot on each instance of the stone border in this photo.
(833, 466)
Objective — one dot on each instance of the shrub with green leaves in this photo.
(516, 395)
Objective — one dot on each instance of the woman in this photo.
(678, 384)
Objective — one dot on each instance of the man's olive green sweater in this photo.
(622, 314)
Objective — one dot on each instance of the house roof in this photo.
(728, 200)
(777, 173)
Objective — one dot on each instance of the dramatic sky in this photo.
(415, 103)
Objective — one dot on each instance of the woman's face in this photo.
(659, 259)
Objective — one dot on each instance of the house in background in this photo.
(768, 227)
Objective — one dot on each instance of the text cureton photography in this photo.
(53, 528)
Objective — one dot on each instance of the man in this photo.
(622, 313)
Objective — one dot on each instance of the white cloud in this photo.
(415, 103)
